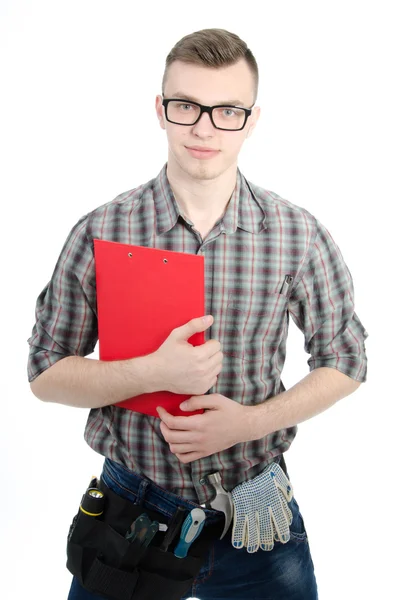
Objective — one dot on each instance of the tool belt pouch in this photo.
(100, 556)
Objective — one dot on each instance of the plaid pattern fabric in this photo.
(266, 260)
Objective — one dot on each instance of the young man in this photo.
(265, 259)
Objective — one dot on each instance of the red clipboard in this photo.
(142, 295)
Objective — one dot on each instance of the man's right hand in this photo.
(187, 369)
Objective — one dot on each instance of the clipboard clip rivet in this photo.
(130, 254)
(165, 260)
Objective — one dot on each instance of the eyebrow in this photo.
(184, 96)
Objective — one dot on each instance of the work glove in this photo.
(261, 513)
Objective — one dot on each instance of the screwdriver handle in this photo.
(191, 529)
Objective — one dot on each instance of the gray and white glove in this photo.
(261, 513)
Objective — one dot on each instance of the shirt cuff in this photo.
(354, 366)
(40, 360)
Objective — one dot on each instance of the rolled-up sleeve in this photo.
(322, 306)
(66, 317)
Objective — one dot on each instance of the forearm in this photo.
(90, 383)
(312, 395)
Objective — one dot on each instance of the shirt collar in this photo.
(243, 210)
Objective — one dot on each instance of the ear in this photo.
(160, 111)
(254, 118)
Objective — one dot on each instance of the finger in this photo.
(174, 436)
(215, 372)
(183, 448)
(245, 531)
(189, 457)
(280, 524)
(286, 489)
(197, 402)
(286, 518)
(238, 528)
(216, 361)
(210, 349)
(184, 332)
(253, 533)
(286, 510)
(282, 482)
(179, 423)
(266, 538)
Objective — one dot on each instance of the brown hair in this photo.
(212, 48)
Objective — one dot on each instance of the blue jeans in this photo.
(284, 573)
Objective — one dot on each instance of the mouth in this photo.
(201, 152)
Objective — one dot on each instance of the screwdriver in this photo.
(173, 527)
(191, 529)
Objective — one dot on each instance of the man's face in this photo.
(229, 85)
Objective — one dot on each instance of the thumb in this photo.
(282, 482)
(184, 332)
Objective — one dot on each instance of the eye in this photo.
(229, 112)
(184, 107)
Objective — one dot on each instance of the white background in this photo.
(78, 127)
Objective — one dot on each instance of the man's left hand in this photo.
(223, 424)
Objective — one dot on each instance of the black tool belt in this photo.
(105, 562)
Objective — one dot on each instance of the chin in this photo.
(203, 173)
(202, 170)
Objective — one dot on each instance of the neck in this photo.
(203, 201)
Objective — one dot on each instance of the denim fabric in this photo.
(285, 573)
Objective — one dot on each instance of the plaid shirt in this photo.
(265, 260)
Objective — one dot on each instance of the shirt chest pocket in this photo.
(254, 328)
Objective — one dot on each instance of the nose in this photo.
(204, 127)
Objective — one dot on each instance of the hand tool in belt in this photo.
(223, 500)
(191, 529)
(174, 527)
(142, 532)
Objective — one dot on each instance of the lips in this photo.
(201, 149)
(201, 152)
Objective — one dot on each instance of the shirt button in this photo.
(202, 481)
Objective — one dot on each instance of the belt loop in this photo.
(143, 488)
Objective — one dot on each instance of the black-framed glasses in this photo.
(185, 112)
